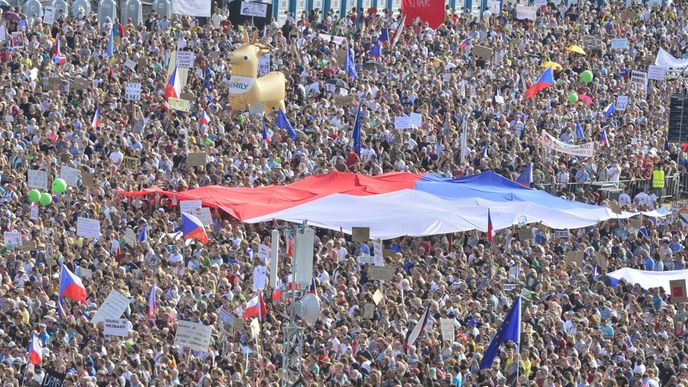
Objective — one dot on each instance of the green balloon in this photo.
(586, 76)
(34, 195)
(46, 199)
(572, 97)
(59, 186)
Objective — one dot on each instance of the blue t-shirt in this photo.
(458, 379)
(649, 263)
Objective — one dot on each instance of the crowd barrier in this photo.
(675, 187)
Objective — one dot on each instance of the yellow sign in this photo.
(179, 104)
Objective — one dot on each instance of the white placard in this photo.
(116, 327)
(33, 212)
(11, 238)
(364, 259)
(85, 273)
(190, 206)
(338, 40)
(330, 88)
(264, 65)
(49, 15)
(193, 335)
(132, 91)
(253, 9)
(195, 8)
(264, 252)
(658, 73)
(402, 122)
(619, 44)
(130, 64)
(259, 278)
(185, 59)
(562, 234)
(621, 102)
(112, 308)
(416, 119)
(526, 12)
(313, 88)
(639, 77)
(539, 3)
(378, 253)
(70, 175)
(447, 329)
(38, 179)
(88, 228)
(495, 6)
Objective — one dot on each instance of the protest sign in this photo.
(193, 335)
(657, 73)
(112, 308)
(259, 278)
(87, 180)
(402, 122)
(564, 234)
(185, 59)
(18, 39)
(195, 8)
(377, 296)
(253, 9)
(526, 12)
(368, 311)
(619, 44)
(130, 64)
(482, 52)
(447, 329)
(382, 273)
(33, 212)
(70, 175)
(338, 40)
(416, 119)
(130, 162)
(639, 77)
(360, 234)
(378, 251)
(11, 238)
(189, 206)
(85, 273)
(179, 104)
(89, 228)
(678, 290)
(37, 179)
(364, 259)
(49, 15)
(525, 233)
(129, 237)
(508, 287)
(495, 6)
(227, 319)
(196, 159)
(621, 102)
(52, 378)
(132, 91)
(255, 328)
(264, 65)
(116, 327)
(574, 257)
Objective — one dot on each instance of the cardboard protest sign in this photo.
(196, 159)
(678, 290)
(382, 273)
(377, 297)
(179, 104)
(87, 180)
(360, 234)
(368, 311)
(131, 162)
(70, 175)
(482, 52)
(574, 257)
(525, 233)
(193, 335)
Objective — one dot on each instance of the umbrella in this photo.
(373, 65)
(576, 49)
(585, 98)
(552, 65)
(338, 83)
(11, 16)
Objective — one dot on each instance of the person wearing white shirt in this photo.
(368, 153)
(624, 199)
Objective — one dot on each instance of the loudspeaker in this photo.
(678, 118)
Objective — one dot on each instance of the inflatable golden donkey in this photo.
(245, 88)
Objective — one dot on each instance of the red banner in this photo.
(430, 11)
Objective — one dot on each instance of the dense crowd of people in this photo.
(578, 329)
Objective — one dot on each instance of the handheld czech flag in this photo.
(35, 356)
(58, 58)
(419, 328)
(603, 138)
(465, 43)
(255, 308)
(205, 118)
(174, 86)
(152, 301)
(546, 80)
(266, 134)
(490, 233)
(95, 122)
(192, 228)
(384, 36)
(71, 286)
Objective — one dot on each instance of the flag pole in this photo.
(518, 364)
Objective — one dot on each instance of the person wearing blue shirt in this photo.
(458, 378)
(649, 263)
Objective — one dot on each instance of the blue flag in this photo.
(350, 63)
(142, 235)
(111, 44)
(357, 132)
(206, 78)
(283, 122)
(384, 36)
(376, 51)
(666, 143)
(579, 131)
(608, 111)
(509, 330)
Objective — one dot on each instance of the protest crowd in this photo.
(63, 103)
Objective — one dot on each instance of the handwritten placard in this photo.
(11, 238)
(132, 91)
(70, 175)
(114, 305)
(185, 59)
(88, 228)
(37, 179)
(193, 335)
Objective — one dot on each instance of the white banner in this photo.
(253, 9)
(526, 12)
(116, 327)
(239, 84)
(552, 144)
(196, 8)
(666, 60)
(263, 65)
(649, 279)
(193, 335)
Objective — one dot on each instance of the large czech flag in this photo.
(192, 228)
(71, 286)
(174, 86)
(546, 80)
(255, 308)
